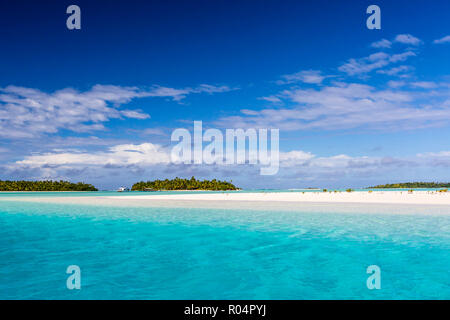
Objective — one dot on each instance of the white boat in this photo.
(123, 189)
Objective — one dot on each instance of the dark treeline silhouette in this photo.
(414, 185)
(46, 185)
(183, 184)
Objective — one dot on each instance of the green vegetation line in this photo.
(47, 185)
(413, 185)
(183, 184)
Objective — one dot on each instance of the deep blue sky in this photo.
(178, 43)
(243, 49)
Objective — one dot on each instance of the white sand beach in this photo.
(391, 202)
(381, 197)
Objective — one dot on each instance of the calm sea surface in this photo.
(189, 253)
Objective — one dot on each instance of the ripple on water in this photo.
(189, 253)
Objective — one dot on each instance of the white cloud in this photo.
(306, 76)
(175, 94)
(407, 39)
(360, 66)
(401, 56)
(383, 43)
(131, 161)
(28, 112)
(380, 59)
(302, 159)
(134, 114)
(119, 155)
(424, 84)
(349, 105)
(396, 70)
(401, 38)
(445, 154)
(273, 99)
(207, 88)
(445, 39)
(372, 62)
(179, 94)
(295, 157)
(436, 159)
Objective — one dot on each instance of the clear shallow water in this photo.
(165, 253)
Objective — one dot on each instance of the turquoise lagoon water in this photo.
(189, 253)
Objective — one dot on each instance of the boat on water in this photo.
(123, 189)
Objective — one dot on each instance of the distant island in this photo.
(183, 184)
(47, 185)
(413, 185)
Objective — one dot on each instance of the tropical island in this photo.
(412, 185)
(183, 184)
(46, 185)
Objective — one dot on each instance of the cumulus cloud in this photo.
(134, 160)
(146, 154)
(295, 158)
(436, 159)
(119, 155)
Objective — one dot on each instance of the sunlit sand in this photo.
(394, 202)
(396, 197)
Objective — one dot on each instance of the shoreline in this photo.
(392, 202)
(376, 197)
(44, 191)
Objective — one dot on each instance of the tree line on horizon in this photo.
(413, 185)
(184, 184)
(44, 185)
